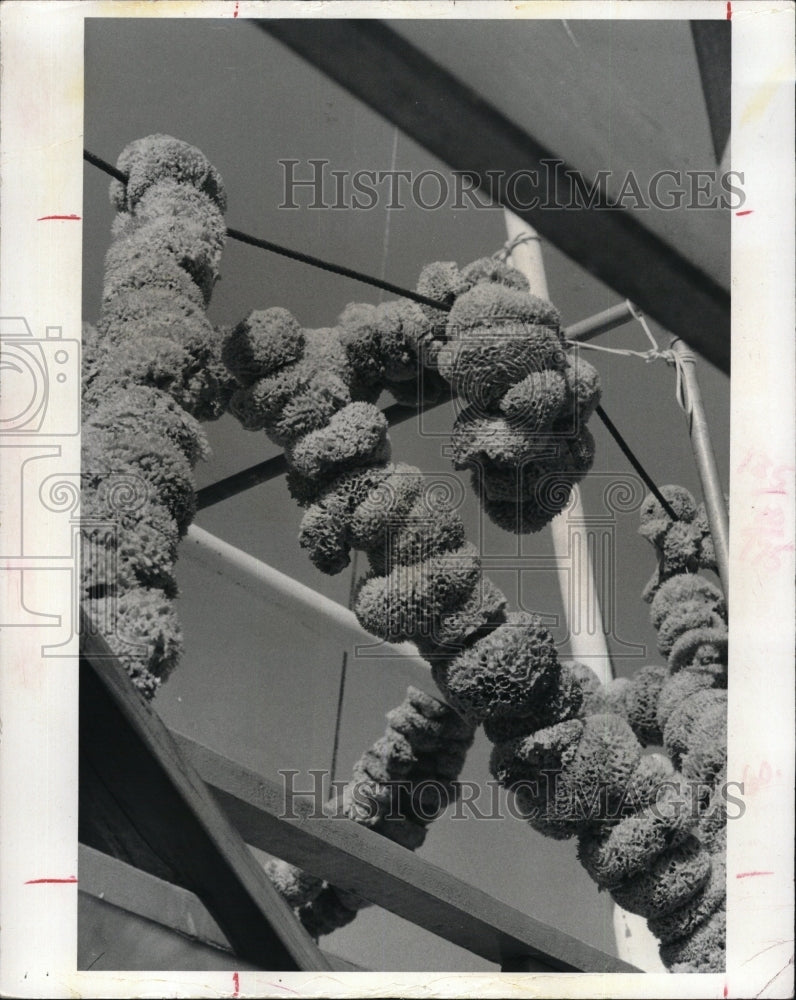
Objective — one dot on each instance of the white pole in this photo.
(634, 941)
(578, 590)
(321, 615)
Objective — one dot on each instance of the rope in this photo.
(653, 354)
(303, 258)
(639, 315)
(95, 161)
(678, 360)
(249, 477)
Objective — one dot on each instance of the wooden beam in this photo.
(129, 888)
(140, 800)
(352, 857)
(713, 45)
(457, 125)
(170, 906)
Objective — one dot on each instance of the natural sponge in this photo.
(683, 545)
(152, 371)
(523, 427)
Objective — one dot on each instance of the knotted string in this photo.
(505, 251)
(655, 353)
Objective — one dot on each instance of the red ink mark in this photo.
(750, 874)
(51, 881)
(726, 990)
(752, 783)
(729, 10)
(746, 211)
(781, 492)
(287, 989)
(47, 218)
(235, 12)
(236, 984)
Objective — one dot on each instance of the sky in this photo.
(262, 689)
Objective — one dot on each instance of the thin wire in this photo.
(653, 354)
(670, 357)
(352, 591)
(639, 315)
(340, 696)
(385, 246)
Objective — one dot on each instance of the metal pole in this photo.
(601, 322)
(705, 458)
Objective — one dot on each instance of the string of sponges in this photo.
(151, 371)
(313, 392)
(426, 584)
(683, 708)
(525, 398)
(397, 788)
(577, 769)
(684, 545)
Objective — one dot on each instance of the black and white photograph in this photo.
(398, 500)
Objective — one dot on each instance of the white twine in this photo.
(505, 251)
(653, 354)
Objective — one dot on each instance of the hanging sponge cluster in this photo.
(682, 546)
(312, 391)
(578, 770)
(686, 713)
(522, 430)
(398, 787)
(574, 766)
(683, 708)
(152, 369)
(689, 614)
